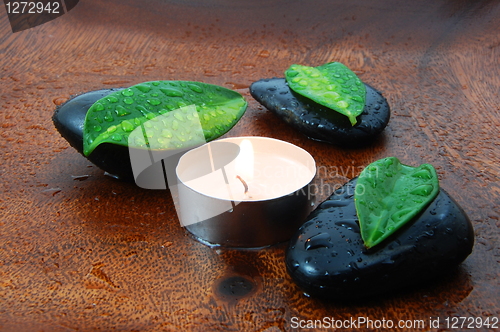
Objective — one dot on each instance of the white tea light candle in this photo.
(254, 192)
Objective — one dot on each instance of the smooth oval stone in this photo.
(319, 122)
(327, 257)
(69, 119)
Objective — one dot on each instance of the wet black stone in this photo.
(327, 257)
(318, 122)
(68, 120)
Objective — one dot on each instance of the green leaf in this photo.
(112, 118)
(389, 194)
(332, 85)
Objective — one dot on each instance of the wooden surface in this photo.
(80, 251)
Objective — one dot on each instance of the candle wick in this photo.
(245, 185)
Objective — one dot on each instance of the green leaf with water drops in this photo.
(112, 118)
(389, 194)
(332, 85)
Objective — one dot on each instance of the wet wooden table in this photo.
(82, 251)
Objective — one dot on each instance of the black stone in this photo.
(319, 122)
(327, 257)
(69, 119)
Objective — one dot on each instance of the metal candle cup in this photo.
(245, 192)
